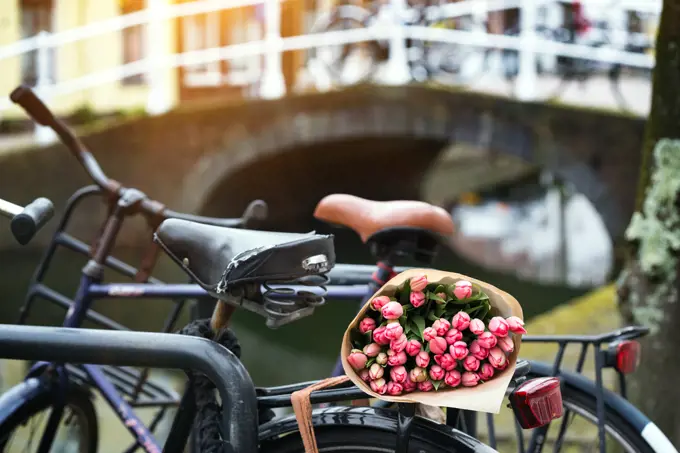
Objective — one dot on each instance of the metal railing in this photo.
(271, 78)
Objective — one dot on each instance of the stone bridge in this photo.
(372, 141)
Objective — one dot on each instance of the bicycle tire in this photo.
(77, 399)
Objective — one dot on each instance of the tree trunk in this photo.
(649, 285)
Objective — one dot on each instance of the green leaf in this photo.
(407, 307)
(432, 316)
(357, 339)
(439, 310)
(419, 324)
(440, 289)
(370, 362)
(436, 384)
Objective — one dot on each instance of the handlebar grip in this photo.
(31, 103)
(34, 216)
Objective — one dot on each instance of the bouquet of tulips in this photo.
(432, 336)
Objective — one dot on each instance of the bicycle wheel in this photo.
(77, 431)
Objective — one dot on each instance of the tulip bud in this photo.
(417, 374)
(399, 374)
(498, 326)
(399, 344)
(429, 333)
(357, 359)
(365, 375)
(413, 347)
(380, 336)
(443, 297)
(396, 358)
(506, 344)
(379, 386)
(437, 373)
(438, 345)
(381, 358)
(477, 326)
(442, 326)
(471, 363)
(376, 371)
(426, 386)
(446, 361)
(394, 388)
(452, 378)
(460, 321)
(418, 283)
(497, 358)
(458, 350)
(393, 330)
(379, 302)
(462, 290)
(478, 351)
(486, 372)
(393, 310)
(487, 340)
(469, 379)
(423, 359)
(366, 325)
(516, 325)
(372, 349)
(417, 298)
(409, 385)
(452, 336)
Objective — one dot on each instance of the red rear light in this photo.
(537, 401)
(626, 356)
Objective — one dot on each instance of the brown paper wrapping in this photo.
(486, 397)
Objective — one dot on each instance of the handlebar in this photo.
(27, 221)
(25, 97)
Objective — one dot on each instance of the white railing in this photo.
(271, 79)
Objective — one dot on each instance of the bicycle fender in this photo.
(378, 419)
(18, 395)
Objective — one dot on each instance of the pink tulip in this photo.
(469, 379)
(379, 336)
(381, 358)
(445, 361)
(372, 349)
(417, 374)
(399, 344)
(453, 335)
(487, 340)
(497, 358)
(438, 345)
(462, 289)
(357, 359)
(516, 325)
(413, 347)
(423, 359)
(443, 297)
(366, 325)
(418, 283)
(393, 310)
(460, 321)
(471, 363)
(486, 372)
(437, 373)
(458, 350)
(429, 333)
(426, 386)
(506, 344)
(452, 378)
(417, 298)
(394, 388)
(399, 374)
(365, 375)
(478, 351)
(409, 385)
(393, 330)
(477, 326)
(396, 358)
(376, 371)
(379, 302)
(498, 326)
(379, 386)
(442, 326)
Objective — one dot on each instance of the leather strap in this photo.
(302, 407)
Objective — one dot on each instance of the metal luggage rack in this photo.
(133, 383)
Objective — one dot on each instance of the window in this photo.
(133, 40)
(199, 32)
(36, 16)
